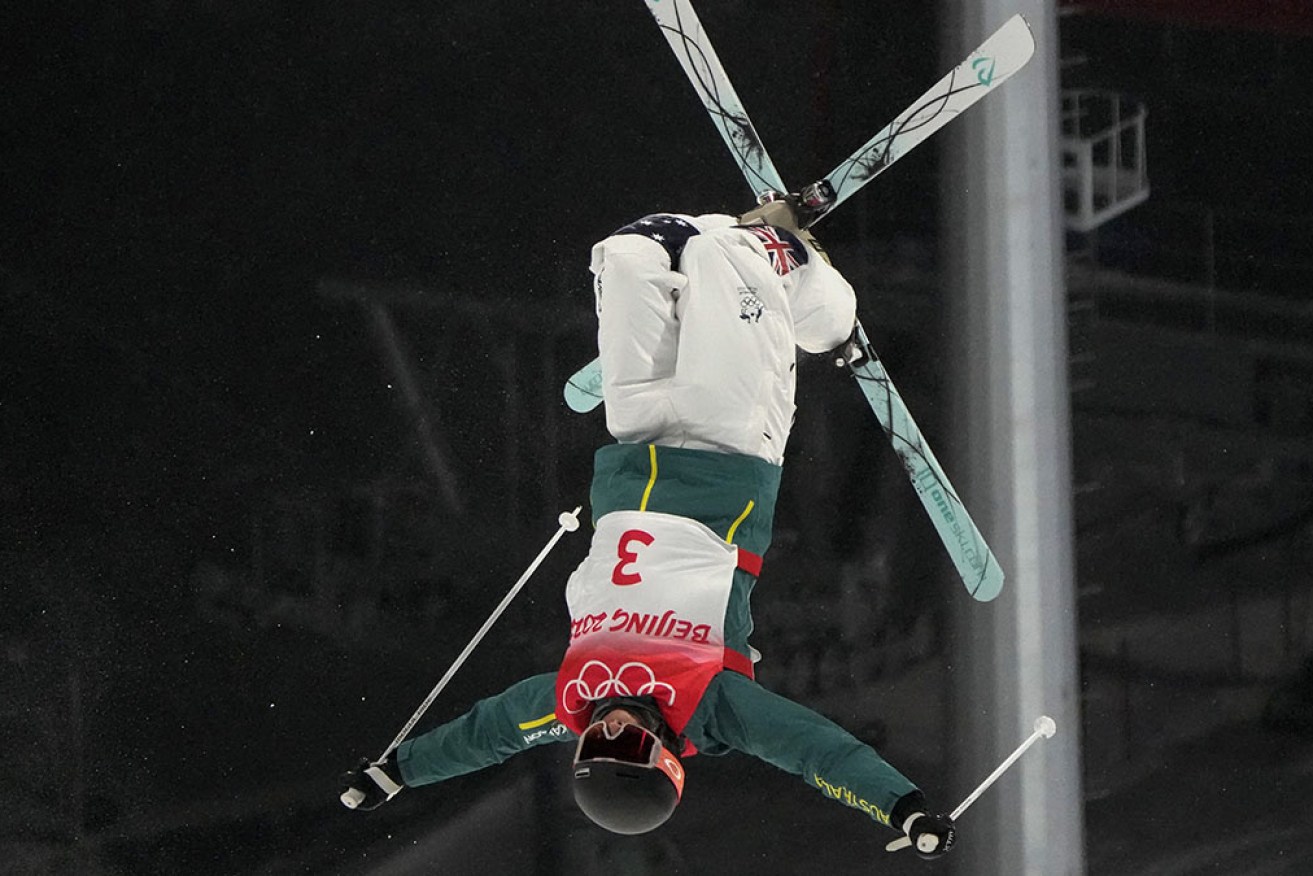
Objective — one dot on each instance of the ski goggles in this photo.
(631, 745)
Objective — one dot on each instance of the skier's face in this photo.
(617, 718)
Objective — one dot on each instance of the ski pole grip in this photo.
(925, 843)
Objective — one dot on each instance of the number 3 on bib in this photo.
(625, 551)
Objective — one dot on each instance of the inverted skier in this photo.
(698, 321)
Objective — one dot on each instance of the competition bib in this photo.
(647, 610)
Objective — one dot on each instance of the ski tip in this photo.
(1021, 34)
(583, 390)
(1017, 23)
(1007, 50)
(989, 585)
(1015, 18)
(580, 399)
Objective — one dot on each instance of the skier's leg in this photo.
(637, 336)
(734, 376)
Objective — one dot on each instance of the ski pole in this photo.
(568, 522)
(1044, 726)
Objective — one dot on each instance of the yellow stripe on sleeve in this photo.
(538, 722)
(651, 452)
(729, 538)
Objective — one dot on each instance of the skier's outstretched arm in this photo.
(738, 714)
(499, 727)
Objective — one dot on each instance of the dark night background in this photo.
(232, 561)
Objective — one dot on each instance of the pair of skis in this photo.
(992, 64)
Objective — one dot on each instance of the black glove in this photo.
(370, 785)
(932, 835)
(850, 353)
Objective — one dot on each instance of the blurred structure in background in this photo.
(1013, 659)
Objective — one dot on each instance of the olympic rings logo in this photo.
(596, 681)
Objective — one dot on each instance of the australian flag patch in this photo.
(669, 231)
(783, 247)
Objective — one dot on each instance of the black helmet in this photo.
(627, 781)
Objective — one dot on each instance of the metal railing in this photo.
(1103, 157)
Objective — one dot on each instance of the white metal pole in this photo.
(1003, 260)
